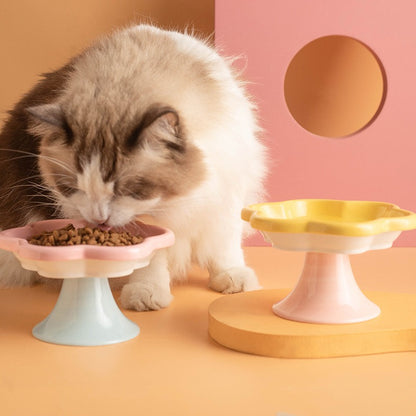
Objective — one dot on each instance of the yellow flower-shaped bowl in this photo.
(328, 231)
(325, 225)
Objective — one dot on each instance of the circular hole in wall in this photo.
(334, 86)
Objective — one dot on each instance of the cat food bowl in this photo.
(86, 312)
(328, 231)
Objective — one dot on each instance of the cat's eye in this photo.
(65, 189)
(69, 134)
(65, 134)
(138, 188)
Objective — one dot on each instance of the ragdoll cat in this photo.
(145, 121)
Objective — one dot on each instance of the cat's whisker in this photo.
(27, 178)
(21, 182)
(29, 185)
(38, 204)
(37, 195)
(58, 163)
(25, 156)
(44, 193)
(35, 155)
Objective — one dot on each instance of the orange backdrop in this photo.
(39, 36)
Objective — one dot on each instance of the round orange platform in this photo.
(245, 322)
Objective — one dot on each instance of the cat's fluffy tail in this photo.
(12, 273)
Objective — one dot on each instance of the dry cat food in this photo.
(69, 236)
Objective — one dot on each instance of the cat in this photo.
(146, 121)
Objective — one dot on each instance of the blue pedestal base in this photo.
(86, 314)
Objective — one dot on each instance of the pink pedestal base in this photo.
(326, 293)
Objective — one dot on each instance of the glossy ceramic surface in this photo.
(328, 231)
(83, 260)
(326, 293)
(86, 312)
(329, 216)
(330, 226)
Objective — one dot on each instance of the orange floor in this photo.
(173, 368)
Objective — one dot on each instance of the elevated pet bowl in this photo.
(294, 324)
(328, 231)
(86, 312)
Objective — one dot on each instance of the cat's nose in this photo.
(100, 220)
(99, 212)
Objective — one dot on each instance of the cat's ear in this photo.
(48, 113)
(166, 130)
(159, 127)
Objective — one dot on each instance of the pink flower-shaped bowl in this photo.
(83, 260)
(86, 312)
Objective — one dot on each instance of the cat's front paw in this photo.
(144, 296)
(236, 279)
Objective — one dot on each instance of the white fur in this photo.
(12, 274)
(90, 183)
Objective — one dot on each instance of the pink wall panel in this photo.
(377, 163)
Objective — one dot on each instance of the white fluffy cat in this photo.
(145, 121)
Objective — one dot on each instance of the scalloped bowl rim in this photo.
(15, 240)
(268, 217)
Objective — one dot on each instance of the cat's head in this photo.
(110, 170)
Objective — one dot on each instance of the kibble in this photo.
(70, 235)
